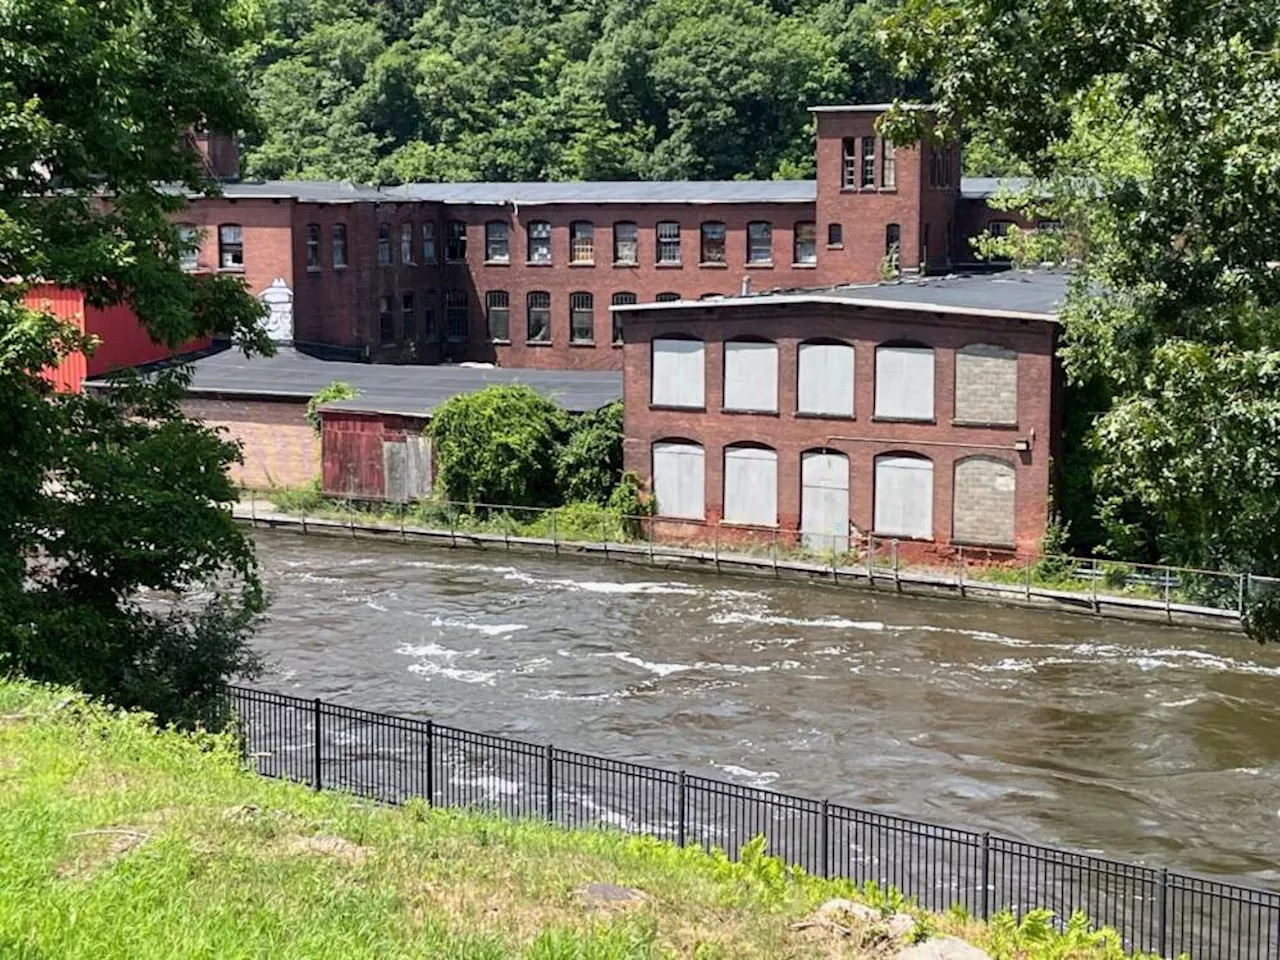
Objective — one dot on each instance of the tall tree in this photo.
(120, 568)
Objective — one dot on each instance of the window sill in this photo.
(537, 343)
(713, 265)
(927, 421)
(668, 266)
(239, 269)
(739, 411)
(581, 263)
(812, 415)
(747, 525)
(500, 342)
(538, 263)
(497, 263)
(804, 266)
(457, 339)
(675, 406)
(759, 265)
(902, 536)
(835, 246)
(455, 263)
(582, 343)
(617, 344)
(339, 266)
(888, 189)
(626, 263)
(985, 544)
(313, 269)
(986, 424)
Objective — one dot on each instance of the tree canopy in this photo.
(120, 569)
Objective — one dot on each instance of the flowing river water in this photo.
(1135, 741)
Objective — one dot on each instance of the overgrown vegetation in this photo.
(120, 840)
(335, 390)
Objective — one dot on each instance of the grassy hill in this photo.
(119, 840)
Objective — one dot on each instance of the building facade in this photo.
(525, 274)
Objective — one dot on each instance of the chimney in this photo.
(220, 154)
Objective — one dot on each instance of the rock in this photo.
(609, 893)
(840, 910)
(901, 926)
(943, 948)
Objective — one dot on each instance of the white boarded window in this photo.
(751, 486)
(825, 379)
(678, 478)
(904, 497)
(904, 383)
(679, 373)
(750, 375)
(824, 500)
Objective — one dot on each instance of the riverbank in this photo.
(121, 840)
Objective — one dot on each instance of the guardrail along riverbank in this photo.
(1133, 591)
(393, 759)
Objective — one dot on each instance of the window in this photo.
(888, 165)
(455, 244)
(1049, 226)
(751, 486)
(428, 243)
(983, 507)
(620, 300)
(406, 243)
(806, 242)
(386, 322)
(339, 245)
(539, 241)
(408, 313)
(496, 246)
(824, 379)
(712, 243)
(892, 241)
(824, 500)
(539, 317)
(189, 239)
(313, 246)
(428, 316)
(904, 382)
(455, 315)
(625, 248)
(679, 373)
(667, 297)
(759, 242)
(986, 384)
(679, 479)
(904, 496)
(497, 311)
(230, 247)
(384, 245)
(750, 375)
(668, 242)
(582, 321)
(835, 235)
(868, 161)
(582, 242)
(848, 163)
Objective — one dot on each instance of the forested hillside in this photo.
(397, 90)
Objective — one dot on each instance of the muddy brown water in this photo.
(1135, 741)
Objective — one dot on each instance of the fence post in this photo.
(315, 722)
(775, 554)
(1093, 581)
(253, 509)
(835, 577)
(871, 549)
(555, 537)
(304, 518)
(960, 567)
(715, 545)
(680, 811)
(453, 533)
(431, 764)
(1162, 913)
(506, 530)
(1168, 603)
(897, 577)
(549, 761)
(824, 860)
(1028, 577)
(985, 898)
(604, 539)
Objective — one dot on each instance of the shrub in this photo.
(589, 464)
(337, 390)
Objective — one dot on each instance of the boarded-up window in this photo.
(750, 375)
(983, 510)
(824, 500)
(904, 496)
(406, 468)
(678, 479)
(986, 384)
(751, 486)
(825, 379)
(679, 373)
(904, 382)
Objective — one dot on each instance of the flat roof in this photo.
(409, 389)
(867, 107)
(1013, 294)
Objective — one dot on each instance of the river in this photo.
(1136, 741)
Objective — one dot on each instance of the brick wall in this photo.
(280, 448)
(986, 384)
(267, 228)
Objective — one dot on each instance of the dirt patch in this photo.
(326, 846)
(98, 849)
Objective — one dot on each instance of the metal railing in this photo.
(393, 759)
(1084, 583)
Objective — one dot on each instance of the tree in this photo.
(1172, 322)
(589, 463)
(120, 568)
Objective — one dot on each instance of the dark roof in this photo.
(411, 389)
(1031, 294)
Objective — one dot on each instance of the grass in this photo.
(119, 840)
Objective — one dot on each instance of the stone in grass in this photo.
(943, 948)
(840, 910)
(609, 893)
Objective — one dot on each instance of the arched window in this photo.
(429, 242)
(455, 243)
(824, 379)
(751, 375)
(667, 297)
(986, 385)
(189, 252)
(582, 318)
(904, 382)
(751, 485)
(904, 496)
(539, 234)
(983, 501)
(712, 250)
(230, 246)
(625, 244)
(760, 242)
(679, 373)
(313, 246)
(339, 245)
(496, 246)
(497, 310)
(538, 317)
(824, 500)
(620, 300)
(455, 315)
(406, 244)
(384, 245)
(582, 242)
(668, 241)
(679, 479)
(806, 242)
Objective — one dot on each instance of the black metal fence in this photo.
(393, 759)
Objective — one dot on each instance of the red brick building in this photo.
(524, 274)
(924, 410)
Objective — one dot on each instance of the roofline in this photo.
(868, 107)
(922, 306)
